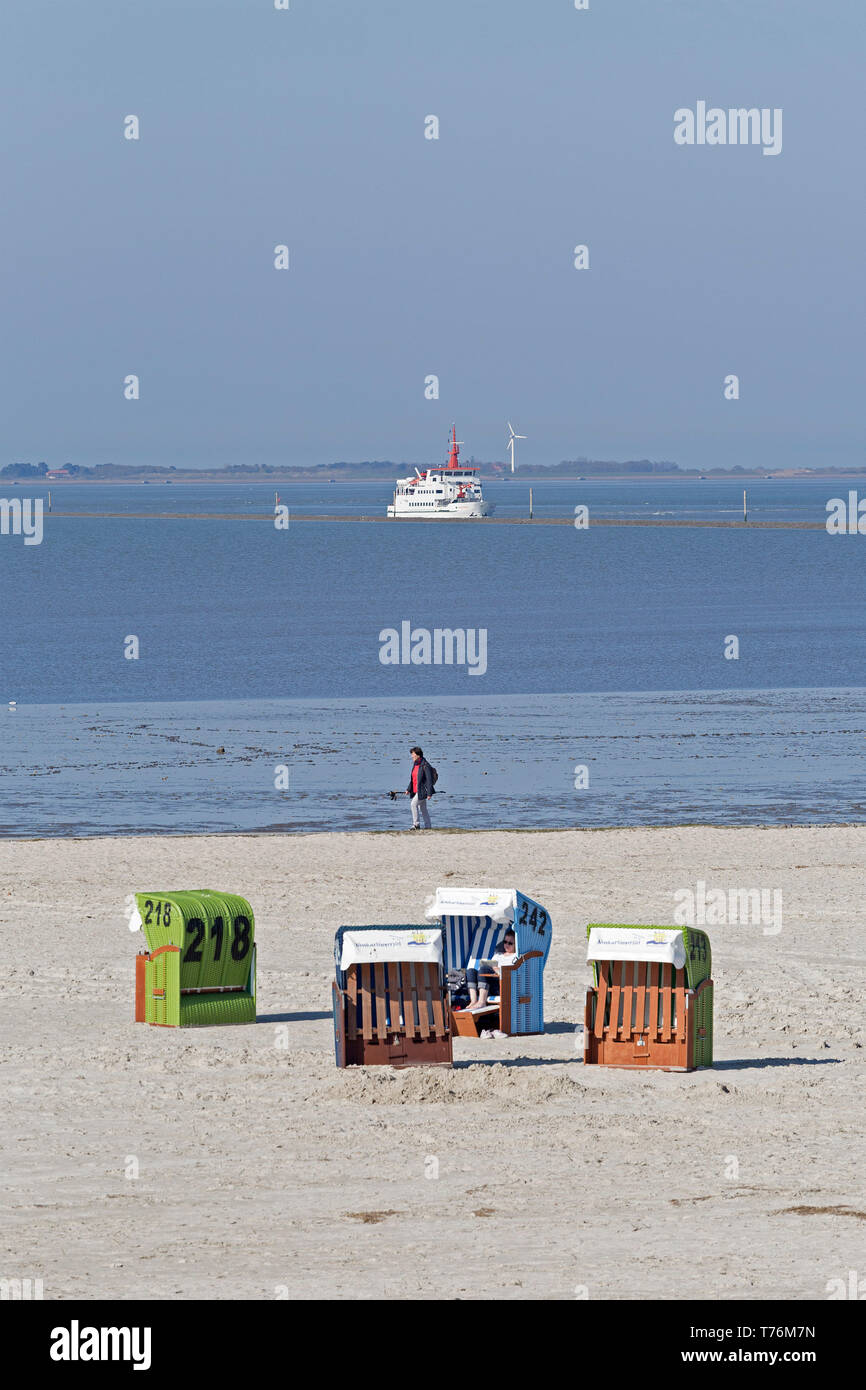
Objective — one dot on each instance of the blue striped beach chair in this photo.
(473, 921)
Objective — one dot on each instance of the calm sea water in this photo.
(229, 610)
(779, 499)
(715, 757)
(240, 623)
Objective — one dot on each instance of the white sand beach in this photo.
(264, 1172)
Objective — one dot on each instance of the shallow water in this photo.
(731, 758)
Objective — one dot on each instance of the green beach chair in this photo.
(200, 963)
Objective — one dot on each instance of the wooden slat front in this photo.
(627, 996)
(653, 998)
(603, 991)
(365, 985)
(640, 997)
(666, 981)
(381, 1014)
(588, 1022)
(395, 998)
(410, 989)
(681, 1005)
(423, 1011)
(352, 994)
(617, 967)
(436, 1000)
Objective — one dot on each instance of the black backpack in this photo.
(433, 773)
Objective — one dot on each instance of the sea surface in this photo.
(773, 499)
(543, 761)
(699, 674)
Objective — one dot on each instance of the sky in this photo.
(412, 257)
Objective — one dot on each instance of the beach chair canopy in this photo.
(213, 932)
(498, 904)
(365, 944)
(474, 922)
(681, 947)
(370, 944)
(627, 943)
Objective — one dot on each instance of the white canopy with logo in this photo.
(664, 944)
(496, 903)
(416, 943)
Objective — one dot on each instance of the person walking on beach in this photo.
(421, 787)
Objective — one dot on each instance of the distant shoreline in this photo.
(452, 520)
(288, 479)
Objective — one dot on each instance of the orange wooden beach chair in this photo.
(651, 1003)
(389, 997)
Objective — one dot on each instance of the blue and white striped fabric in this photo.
(469, 940)
(484, 943)
(458, 934)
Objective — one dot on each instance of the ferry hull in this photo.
(465, 511)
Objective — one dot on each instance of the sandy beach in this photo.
(264, 1172)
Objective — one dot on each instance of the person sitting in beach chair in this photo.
(483, 981)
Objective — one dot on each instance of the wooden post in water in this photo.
(745, 514)
(530, 504)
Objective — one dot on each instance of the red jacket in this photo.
(422, 774)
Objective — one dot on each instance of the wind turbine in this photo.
(510, 445)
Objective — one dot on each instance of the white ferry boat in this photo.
(450, 491)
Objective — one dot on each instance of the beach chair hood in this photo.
(363, 945)
(628, 943)
(682, 947)
(496, 903)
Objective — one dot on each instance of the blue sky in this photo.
(413, 256)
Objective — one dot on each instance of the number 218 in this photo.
(240, 942)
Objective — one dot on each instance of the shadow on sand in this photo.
(736, 1065)
(290, 1018)
(519, 1062)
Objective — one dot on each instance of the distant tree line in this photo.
(571, 466)
(377, 467)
